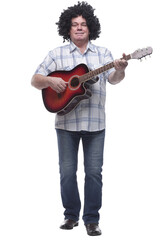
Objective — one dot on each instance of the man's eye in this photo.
(76, 24)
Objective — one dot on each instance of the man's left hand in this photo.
(120, 64)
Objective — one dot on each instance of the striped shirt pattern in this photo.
(89, 115)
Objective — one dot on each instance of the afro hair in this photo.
(81, 9)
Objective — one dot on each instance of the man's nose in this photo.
(79, 26)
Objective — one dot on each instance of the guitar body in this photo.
(62, 103)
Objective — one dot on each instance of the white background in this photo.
(30, 203)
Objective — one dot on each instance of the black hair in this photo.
(80, 9)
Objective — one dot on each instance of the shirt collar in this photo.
(90, 47)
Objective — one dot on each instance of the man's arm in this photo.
(119, 73)
(57, 84)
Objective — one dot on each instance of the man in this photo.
(86, 122)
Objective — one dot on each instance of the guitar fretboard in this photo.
(97, 71)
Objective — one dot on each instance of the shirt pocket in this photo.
(65, 68)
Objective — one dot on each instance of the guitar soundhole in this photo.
(75, 82)
(59, 95)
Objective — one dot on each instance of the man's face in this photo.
(79, 31)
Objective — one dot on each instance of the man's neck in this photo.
(81, 45)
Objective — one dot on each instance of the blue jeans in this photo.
(93, 145)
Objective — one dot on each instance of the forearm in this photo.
(39, 81)
(119, 73)
(116, 77)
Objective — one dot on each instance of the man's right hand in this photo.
(57, 84)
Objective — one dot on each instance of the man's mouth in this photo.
(79, 33)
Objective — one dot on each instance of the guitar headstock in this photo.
(140, 53)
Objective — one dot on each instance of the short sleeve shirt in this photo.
(89, 115)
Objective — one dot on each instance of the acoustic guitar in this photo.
(79, 79)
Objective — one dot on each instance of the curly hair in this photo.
(81, 9)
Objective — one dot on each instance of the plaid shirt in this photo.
(89, 115)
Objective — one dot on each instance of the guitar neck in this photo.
(98, 71)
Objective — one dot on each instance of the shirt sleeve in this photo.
(47, 66)
(108, 59)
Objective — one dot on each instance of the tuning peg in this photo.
(141, 60)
